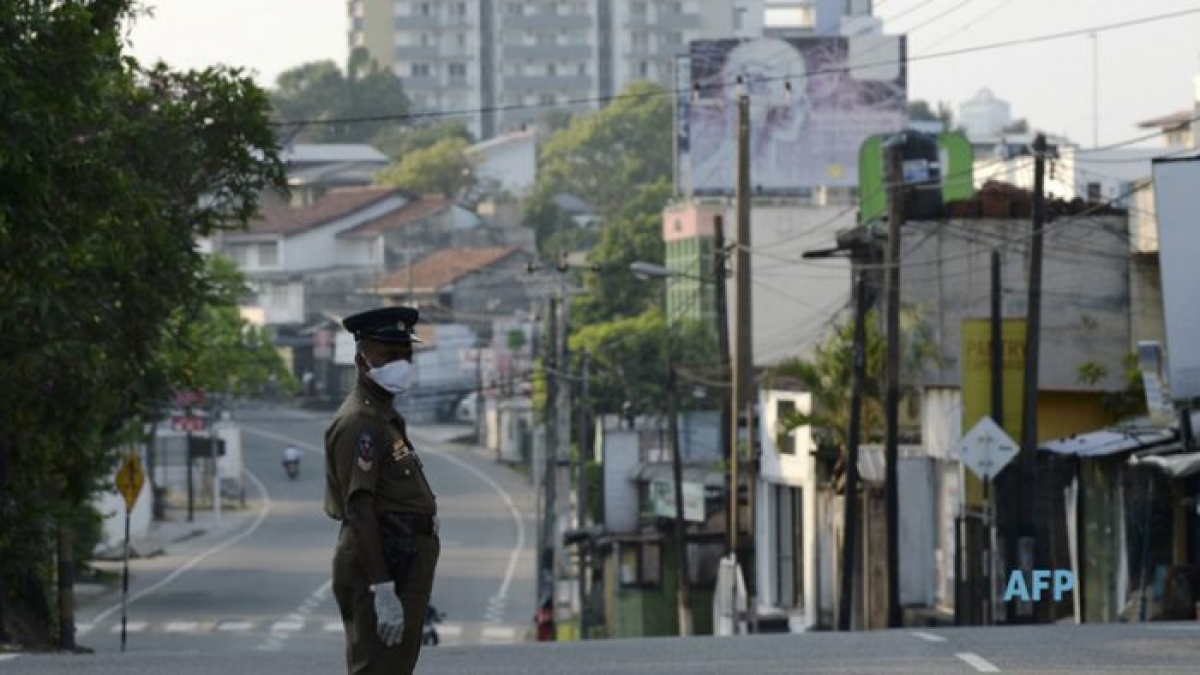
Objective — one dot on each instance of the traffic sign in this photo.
(986, 449)
(130, 479)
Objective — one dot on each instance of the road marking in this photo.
(235, 626)
(7, 657)
(182, 626)
(1178, 627)
(83, 628)
(131, 627)
(977, 662)
(498, 634)
(196, 560)
(512, 508)
(928, 637)
(287, 626)
(450, 630)
(333, 627)
(303, 445)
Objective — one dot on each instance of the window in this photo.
(268, 254)
(425, 9)
(789, 537)
(640, 563)
(637, 9)
(787, 444)
(240, 253)
(546, 99)
(673, 38)
(458, 70)
(551, 69)
(643, 68)
(582, 69)
(640, 41)
(420, 70)
(459, 10)
(426, 39)
(546, 39)
(675, 8)
(461, 39)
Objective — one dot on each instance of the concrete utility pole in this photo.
(1027, 460)
(562, 411)
(728, 419)
(581, 493)
(546, 558)
(850, 515)
(895, 179)
(742, 399)
(681, 557)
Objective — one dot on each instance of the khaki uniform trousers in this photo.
(365, 653)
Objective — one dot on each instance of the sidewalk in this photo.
(173, 536)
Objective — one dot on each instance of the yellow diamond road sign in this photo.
(130, 479)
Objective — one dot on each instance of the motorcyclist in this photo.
(291, 460)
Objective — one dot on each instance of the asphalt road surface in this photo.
(260, 581)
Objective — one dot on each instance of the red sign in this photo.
(188, 423)
(190, 399)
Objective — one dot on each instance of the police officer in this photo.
(375, 485)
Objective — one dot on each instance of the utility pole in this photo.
(728, 419)
(895, 159)
(562, 413)
(681, 557)
(743, 361)
(997, 375)
(850, 517)
(581, 494)
(546, 554)
(479, 408)
(1033, 326)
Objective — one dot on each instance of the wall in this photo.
(1085, 298)
(620, 456)
(511, 163)
(792, 300)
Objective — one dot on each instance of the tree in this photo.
(441, 169)
(108, 173)
(634, 235)
(216, 350)
(607, 156)
(828, 376)
(399, 142)
(320, 91)
(920, 110)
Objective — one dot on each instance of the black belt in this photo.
(414, 523)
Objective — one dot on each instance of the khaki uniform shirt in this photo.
(367, 448)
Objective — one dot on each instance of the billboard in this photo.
(813, 101)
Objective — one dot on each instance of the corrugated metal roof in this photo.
(1108, 442)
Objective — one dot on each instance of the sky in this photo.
(1142, 71)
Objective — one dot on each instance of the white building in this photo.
(508, 161)
(984, 115)
(535, 54)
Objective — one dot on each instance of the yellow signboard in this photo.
(130, 479)
(976, 364)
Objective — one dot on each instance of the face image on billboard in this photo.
(801, 136)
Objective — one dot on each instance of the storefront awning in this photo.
(1109, 442)
(1176, 464)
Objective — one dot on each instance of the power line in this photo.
(405, 117)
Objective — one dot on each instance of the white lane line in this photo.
(83, 628)
(302, 445)
(182, 626)
(131, 627)
(512, 508)
(7, 657)
(449, 630)
(287, 626)
(928, 637)
(977, 662)
(235, 626)
(196, 560)
(499, 633)
(333, 626)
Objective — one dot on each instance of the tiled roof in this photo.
(333, 205)
(412, 212)
(443, 267)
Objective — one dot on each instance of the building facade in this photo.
(505, 63)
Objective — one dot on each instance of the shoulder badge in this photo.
(366, 451)
(400, 450)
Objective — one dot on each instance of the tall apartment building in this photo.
(506, 63)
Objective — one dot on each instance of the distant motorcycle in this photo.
(291, 462)
(429, 635)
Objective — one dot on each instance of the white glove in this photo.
(389, 613)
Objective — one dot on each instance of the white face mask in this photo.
(394, 376)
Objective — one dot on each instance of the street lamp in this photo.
(648, 270)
